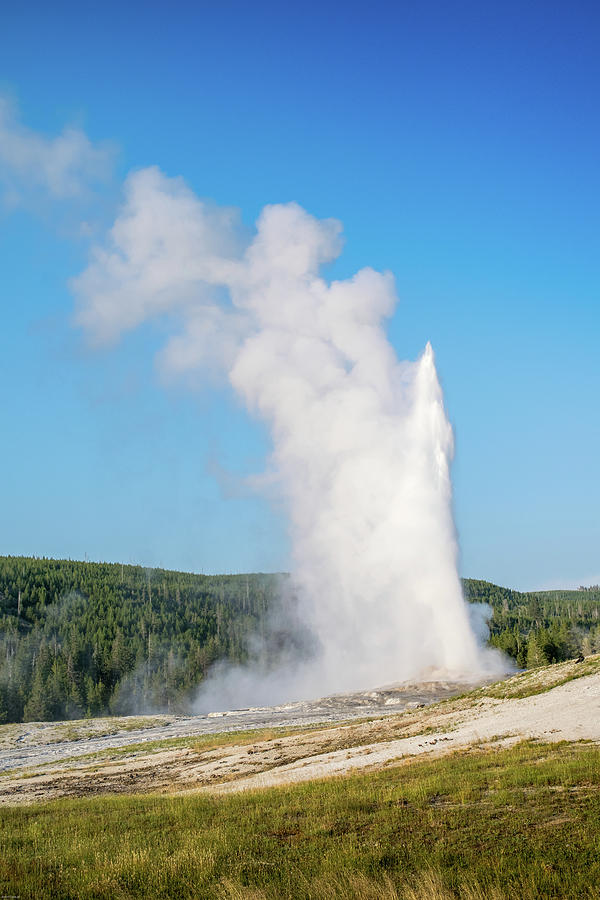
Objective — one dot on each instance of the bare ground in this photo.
(543, 704)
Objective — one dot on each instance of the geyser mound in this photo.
(361, 442)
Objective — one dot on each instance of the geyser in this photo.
(361, 441)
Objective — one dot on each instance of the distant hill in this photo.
(91, 638)
(540, 627)
(87, 638)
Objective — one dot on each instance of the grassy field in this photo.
(519, 823)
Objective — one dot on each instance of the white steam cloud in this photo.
(361, 442)
(61, 167)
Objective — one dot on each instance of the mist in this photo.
(361, 443)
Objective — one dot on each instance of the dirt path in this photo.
(223, 763)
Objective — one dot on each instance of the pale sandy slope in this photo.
(570, 712)
(495, 715)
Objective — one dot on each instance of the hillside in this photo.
(95, 638)
(85, 638)
(540, 627)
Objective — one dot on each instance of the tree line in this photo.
(81, 639)
(541, 627)
(87, 639)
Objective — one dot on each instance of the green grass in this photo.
(530, 682)
(540, 680)
(520, 823)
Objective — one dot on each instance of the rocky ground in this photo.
(37, 743)
(249, 749)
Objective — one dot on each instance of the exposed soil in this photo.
(569, 711)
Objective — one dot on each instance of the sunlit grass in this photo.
(518, 823)
(542, 679)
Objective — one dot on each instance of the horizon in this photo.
(161, 568)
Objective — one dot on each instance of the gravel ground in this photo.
(38, 743)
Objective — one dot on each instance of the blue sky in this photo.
(458, 144)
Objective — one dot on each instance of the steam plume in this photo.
(361, 442)
(62, 167)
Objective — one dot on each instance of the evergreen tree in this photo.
(536, 651)
(90, 638)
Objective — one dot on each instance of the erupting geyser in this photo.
(361, 442)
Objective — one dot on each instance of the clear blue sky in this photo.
(457, 142)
